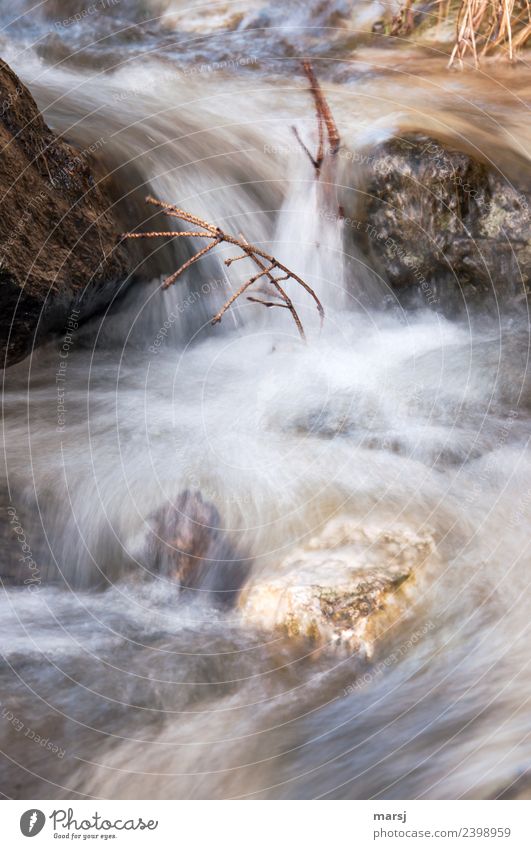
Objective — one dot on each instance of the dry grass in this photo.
(482, 27)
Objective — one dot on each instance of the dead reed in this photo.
(482, 27)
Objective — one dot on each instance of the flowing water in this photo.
(399, 418)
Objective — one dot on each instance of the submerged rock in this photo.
(342, 587)
(182, 536)
(187, 544)
(445, 226)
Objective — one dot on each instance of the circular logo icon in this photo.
(31, 822)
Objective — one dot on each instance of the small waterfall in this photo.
(309, 235)
(320, 242)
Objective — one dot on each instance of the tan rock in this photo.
(343, 586)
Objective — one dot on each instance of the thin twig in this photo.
(266, 263)
(173, 277)
(173, 233)
(267, 303)
(275, 281)
(325, 120)
(172, 209)
(240, 291)
(314, 162)
(232, 259)
(322, 108)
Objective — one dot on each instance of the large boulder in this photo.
(59, 225)
(342, 588)
(445, 226)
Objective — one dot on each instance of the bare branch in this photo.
(169, 280)
(324, 113)
(171, 209)
(240, 291)
(267, 264)
(314, 162)
(275, 281)
(172, 233)
(232, 259)
(325, 121)
(267, 303)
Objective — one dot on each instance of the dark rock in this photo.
(444, 225)
(187, 544)
(59, 225)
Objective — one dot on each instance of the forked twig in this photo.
(266, 303)
(325, 121)
(266, 263)
(275, 281)
(315, 162)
